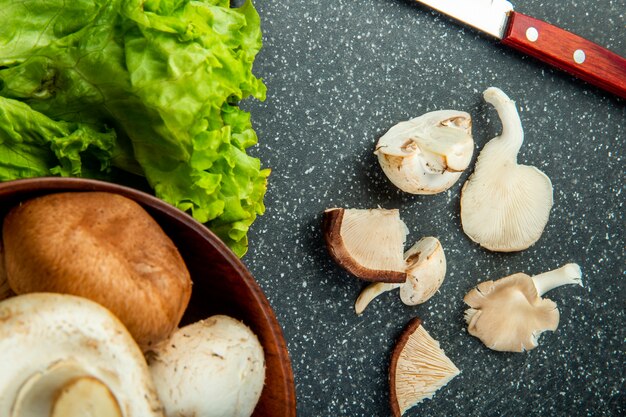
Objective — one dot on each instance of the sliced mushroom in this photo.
(426, 270)
(62, 353)
(367, 243)
(100, 246)
(509, 314)
(427, 154)
(505, 206)
(214, 367)
(419, 368)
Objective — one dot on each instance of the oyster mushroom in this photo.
(427, 154)
(509, 314)
(367, 243)
(63, 354)
(505, 206)
(426, 270)
(100, 246)
(214, 367)
(418, 368)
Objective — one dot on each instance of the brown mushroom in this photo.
(103, 247)
(509, 314)
(367, 243)
(418, 368)
(5, 288)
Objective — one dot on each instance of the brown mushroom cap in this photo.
(104, 247)
(508, 314)
(5, 288)
(367, 243)
(418, 368)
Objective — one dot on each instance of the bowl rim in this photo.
(61, 184)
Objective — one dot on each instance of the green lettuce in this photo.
(150, 87)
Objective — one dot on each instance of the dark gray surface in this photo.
(339, 74)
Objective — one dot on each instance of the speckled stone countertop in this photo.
(339, 74)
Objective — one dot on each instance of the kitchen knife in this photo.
(555, 46)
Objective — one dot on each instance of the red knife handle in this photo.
(567, 51)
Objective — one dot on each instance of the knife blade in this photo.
(555, 46)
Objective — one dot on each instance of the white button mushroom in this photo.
(426, 270)
(427, 154)
(211, 368)
(505, 206)
(509, 314)
(64, 354)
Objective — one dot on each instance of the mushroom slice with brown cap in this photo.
(505, 206)
(509, 314)
(426, 270)
(419, 368)
(367, 243)
(211, 368)
(64, 354)
(427, 154)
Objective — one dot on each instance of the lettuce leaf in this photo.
(161, 78)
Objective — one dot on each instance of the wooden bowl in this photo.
(222, 284)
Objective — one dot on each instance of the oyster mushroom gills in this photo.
(419, 368)
(427, 154)
(367, 243)
(426, 270)
(509, 314)
(100, 246)
(63, 355)
(504, 205)
(211, 368)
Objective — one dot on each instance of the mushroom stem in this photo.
(370, 292)
(512, 133)
(567, 274)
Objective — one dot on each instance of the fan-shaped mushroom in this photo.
(426, 270)
(211, 368)
(509, 314)
(418, 368)
(367, 243)
(505, 206)
(427, 154)
(62, 354)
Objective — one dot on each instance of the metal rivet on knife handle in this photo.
(579, 56)
(532, 34)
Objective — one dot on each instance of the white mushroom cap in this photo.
(426, 269)
(419, 367)
(427, 154)
(48, 342)
(367, 243)
(211, 368)
(509, 314)
(505, 206)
